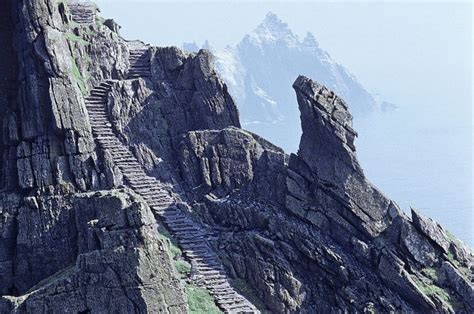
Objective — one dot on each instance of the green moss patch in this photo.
(200, 301)
(78, 77)
(433, 290)
(77, 39)
(430, 273)
(183, 267)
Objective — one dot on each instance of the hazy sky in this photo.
(393, 48)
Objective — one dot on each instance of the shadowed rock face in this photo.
(301, 233)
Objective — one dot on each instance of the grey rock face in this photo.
(431, 229)
(223, 161)
(45, 121)
(88, 252)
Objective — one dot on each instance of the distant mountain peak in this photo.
(271, 30)
(273, 19)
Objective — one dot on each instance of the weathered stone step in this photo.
(235, 307)
(96, 97)
(137, 183)
(176, 229)
(103, 132)
(109, 140)
(139, 63)
(155, 194)
(225, 288)
(95, 103)
(97, 110)
(138, 74)
(232, 301)
(98, 117)
(140, 66)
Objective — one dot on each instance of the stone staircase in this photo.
(139, 63)
(82, 12)
(191, 235)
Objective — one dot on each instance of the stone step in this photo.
(141, 61)
(158, 199)
(155, 193)
(211, 272)
(192, 229)
(103, 92)
(95, 102)
(233, 301)
(236, 307)
(109, 140)
(142, 184)
(140, 66)
(138, 75)
(225, 288)
(98, 117)
(96, 97)
(97, 110)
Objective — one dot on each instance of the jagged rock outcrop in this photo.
(299, 233)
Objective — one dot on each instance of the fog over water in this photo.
(416, 55)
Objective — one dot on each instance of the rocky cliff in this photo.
(128, 186)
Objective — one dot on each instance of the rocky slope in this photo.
(83, 161)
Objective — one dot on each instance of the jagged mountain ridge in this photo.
(102, 136)
(262, 66)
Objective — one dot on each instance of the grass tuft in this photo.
(166, 237)
(200, 301)
(183, 267)
(78, 39)
(76, 73)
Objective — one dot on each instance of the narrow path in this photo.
(191, 235)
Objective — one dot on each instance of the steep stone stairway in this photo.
(82, 12)
(139, 63)
(191, 235)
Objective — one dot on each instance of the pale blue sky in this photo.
(389, 46)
